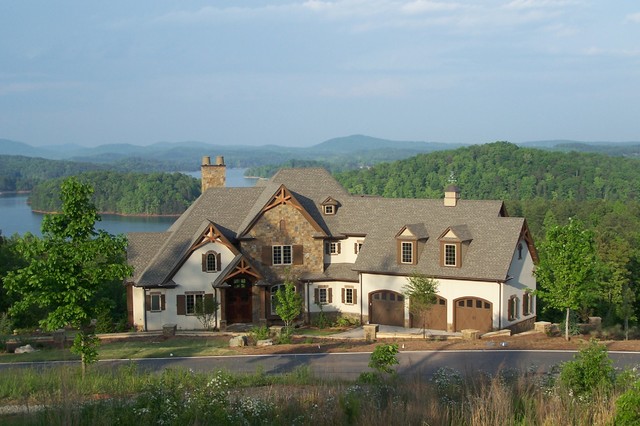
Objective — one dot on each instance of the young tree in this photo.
(421, 292)
(289, 304)
(568, 270)
(66, 268)
(207, 311)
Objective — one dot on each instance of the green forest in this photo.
(125, 193)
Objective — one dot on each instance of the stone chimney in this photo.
(213, 175)
(451, 196)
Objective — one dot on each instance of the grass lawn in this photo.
(135, 348)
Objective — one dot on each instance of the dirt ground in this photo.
(530, 341)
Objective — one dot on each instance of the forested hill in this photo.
(126, 193)
(502, 170)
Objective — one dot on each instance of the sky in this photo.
(296, 73)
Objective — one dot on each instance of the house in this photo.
(348, 255)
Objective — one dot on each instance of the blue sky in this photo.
(296, 73)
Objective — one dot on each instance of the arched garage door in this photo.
(473, 313)
(436, 317)
(386, 307)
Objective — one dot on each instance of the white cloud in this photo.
(622, 53)
(426, 6)
(633, 17)
(539, 4)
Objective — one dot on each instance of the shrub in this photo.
(590, 370)
(384, 357)
(574, 328)
(345, 321)
(259, 333)
(321, 320)
(628, 407)
(6, 325)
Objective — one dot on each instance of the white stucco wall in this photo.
(347, 252)
(521, 271)
(189, 277)
(447, 289)
(336, 305)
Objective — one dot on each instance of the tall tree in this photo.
(421, 291)
(568, 270)
(66, 268)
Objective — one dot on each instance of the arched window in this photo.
(211, 261)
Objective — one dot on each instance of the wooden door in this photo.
(473, 313)
(435, 319)
(386, 307)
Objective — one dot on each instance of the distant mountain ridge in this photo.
(185, 155)
(349, 152)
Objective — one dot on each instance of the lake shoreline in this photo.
(176, 215)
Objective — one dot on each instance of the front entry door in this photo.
(239, 302)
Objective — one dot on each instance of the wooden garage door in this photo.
(436, 317)
(386, 307)
(473, 313)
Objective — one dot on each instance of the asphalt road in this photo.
(349, 365)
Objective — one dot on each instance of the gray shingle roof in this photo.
(491, 238)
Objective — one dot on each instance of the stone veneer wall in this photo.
(284, 225)
(525, 325)
(213, 176)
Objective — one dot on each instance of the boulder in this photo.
(238, 341)
(26, 349)
(266, 342)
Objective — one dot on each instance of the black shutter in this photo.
(180, 305)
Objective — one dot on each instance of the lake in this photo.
(16, 215)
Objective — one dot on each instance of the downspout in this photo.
(361, 307)
(144, 308)
(501, 284)
(308, 305)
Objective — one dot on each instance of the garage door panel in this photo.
(473, 313)
(434, 319)
(387, 308)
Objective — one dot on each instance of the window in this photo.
(155, 302)
(333, 247)
(357, 246)
(450, 255)
(512, 308)
(281, 255)
(527, 303)
(349, 296)
(322, 295)
(329, 209)
(520, 251)
(406, 255)
(191, 301)
(211, 261)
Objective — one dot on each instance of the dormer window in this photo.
(406, 252)
(329, 206)
(450, 258)
(452, 242)
(407, 242)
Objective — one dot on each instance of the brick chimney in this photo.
(213, 175)
(451, 196)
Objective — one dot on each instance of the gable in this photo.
(288, 207)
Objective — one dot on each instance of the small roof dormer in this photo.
(330, 206)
